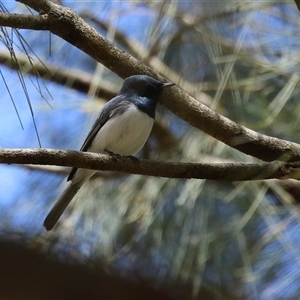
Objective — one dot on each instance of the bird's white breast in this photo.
(123, 134)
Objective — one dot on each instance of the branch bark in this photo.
(215, 171)
(65, 23)
(143, 54)
(24, 21)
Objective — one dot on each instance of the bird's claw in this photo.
(118, 156)
(113, 155)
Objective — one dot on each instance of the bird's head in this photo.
(144, 86)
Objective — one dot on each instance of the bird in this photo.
(121, 129)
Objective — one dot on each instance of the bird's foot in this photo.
(118, 156)
(113, 155)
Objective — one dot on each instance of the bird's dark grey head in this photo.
(144, 86)
(143, 91)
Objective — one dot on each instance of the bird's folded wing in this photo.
(114, 107)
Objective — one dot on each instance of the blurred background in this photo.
(184, 238)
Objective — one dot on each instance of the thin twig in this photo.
(215, 171)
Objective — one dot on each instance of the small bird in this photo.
(121, 129)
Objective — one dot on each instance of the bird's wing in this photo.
(117, 105)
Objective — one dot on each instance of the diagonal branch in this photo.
(143, 54)
(216, 171)
(65, 23)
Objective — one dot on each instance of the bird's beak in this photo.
(167, 84)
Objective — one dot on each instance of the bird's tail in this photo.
(61, 204)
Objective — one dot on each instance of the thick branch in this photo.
(217, 171)
(65, 23)
(143, 54)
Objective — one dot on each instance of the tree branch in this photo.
(65, 23)
(143, 54)
(24, 21)
(216, 171)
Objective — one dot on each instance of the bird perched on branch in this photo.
(122, 128)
